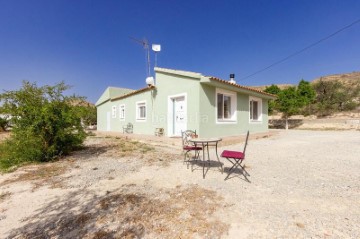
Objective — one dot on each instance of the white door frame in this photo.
(170, 112)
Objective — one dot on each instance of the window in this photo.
(255, 109)
(141, 111)
(226, 106)
(113, 111)
(122, 112)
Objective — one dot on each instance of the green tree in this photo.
(306, 95)
(88, 114)
(288, 103)
(333, 96)
(45, 124)
(275, 90)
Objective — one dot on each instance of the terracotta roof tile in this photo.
(241, 87)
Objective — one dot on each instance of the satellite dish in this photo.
(156, 47)
(150, 81)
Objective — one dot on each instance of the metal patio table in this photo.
(206, 142)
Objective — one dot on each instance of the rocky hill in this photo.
(263, 87)
(348, 79)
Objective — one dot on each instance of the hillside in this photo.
(348, 79)
(263, 87)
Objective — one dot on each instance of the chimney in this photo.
(232, 79)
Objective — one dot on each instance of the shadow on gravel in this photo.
(126, 213)
(236, 173)
(208, 164)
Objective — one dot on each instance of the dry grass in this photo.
(4, 196)
(40, 175)
(127, 147)
(123, 147)
(134, 213)
(178, 213)
(117, 147)
(4, 136)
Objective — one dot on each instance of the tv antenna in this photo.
(145, 44)
(155, 47)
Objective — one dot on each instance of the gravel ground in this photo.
(303, 184)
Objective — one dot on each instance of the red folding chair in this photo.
(236, 158)
(188, 146)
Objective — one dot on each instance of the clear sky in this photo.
(86, 43)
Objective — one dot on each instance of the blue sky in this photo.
(87, 44)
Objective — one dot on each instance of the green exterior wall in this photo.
(200, 96)
(172, 85)
(210, 128)
(116, 124)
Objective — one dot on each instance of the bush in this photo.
(45, 124)
(334, 96)
(19, 149)
(350, 106)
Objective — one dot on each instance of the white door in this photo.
(108, 121)
(179, 115)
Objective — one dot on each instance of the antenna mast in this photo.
(145, 44)
(155, 47)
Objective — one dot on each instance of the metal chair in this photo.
(188, 146)
(236, 158)
(159, 131)
(128, 128)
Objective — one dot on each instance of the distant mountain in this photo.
(348, 79)
(281, 86)
(80, 102)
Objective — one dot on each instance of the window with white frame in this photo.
(113, 111)
(225, 106)
(141, 110)
(122, 112)
(255, 109)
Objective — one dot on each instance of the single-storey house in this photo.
(180, 100)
